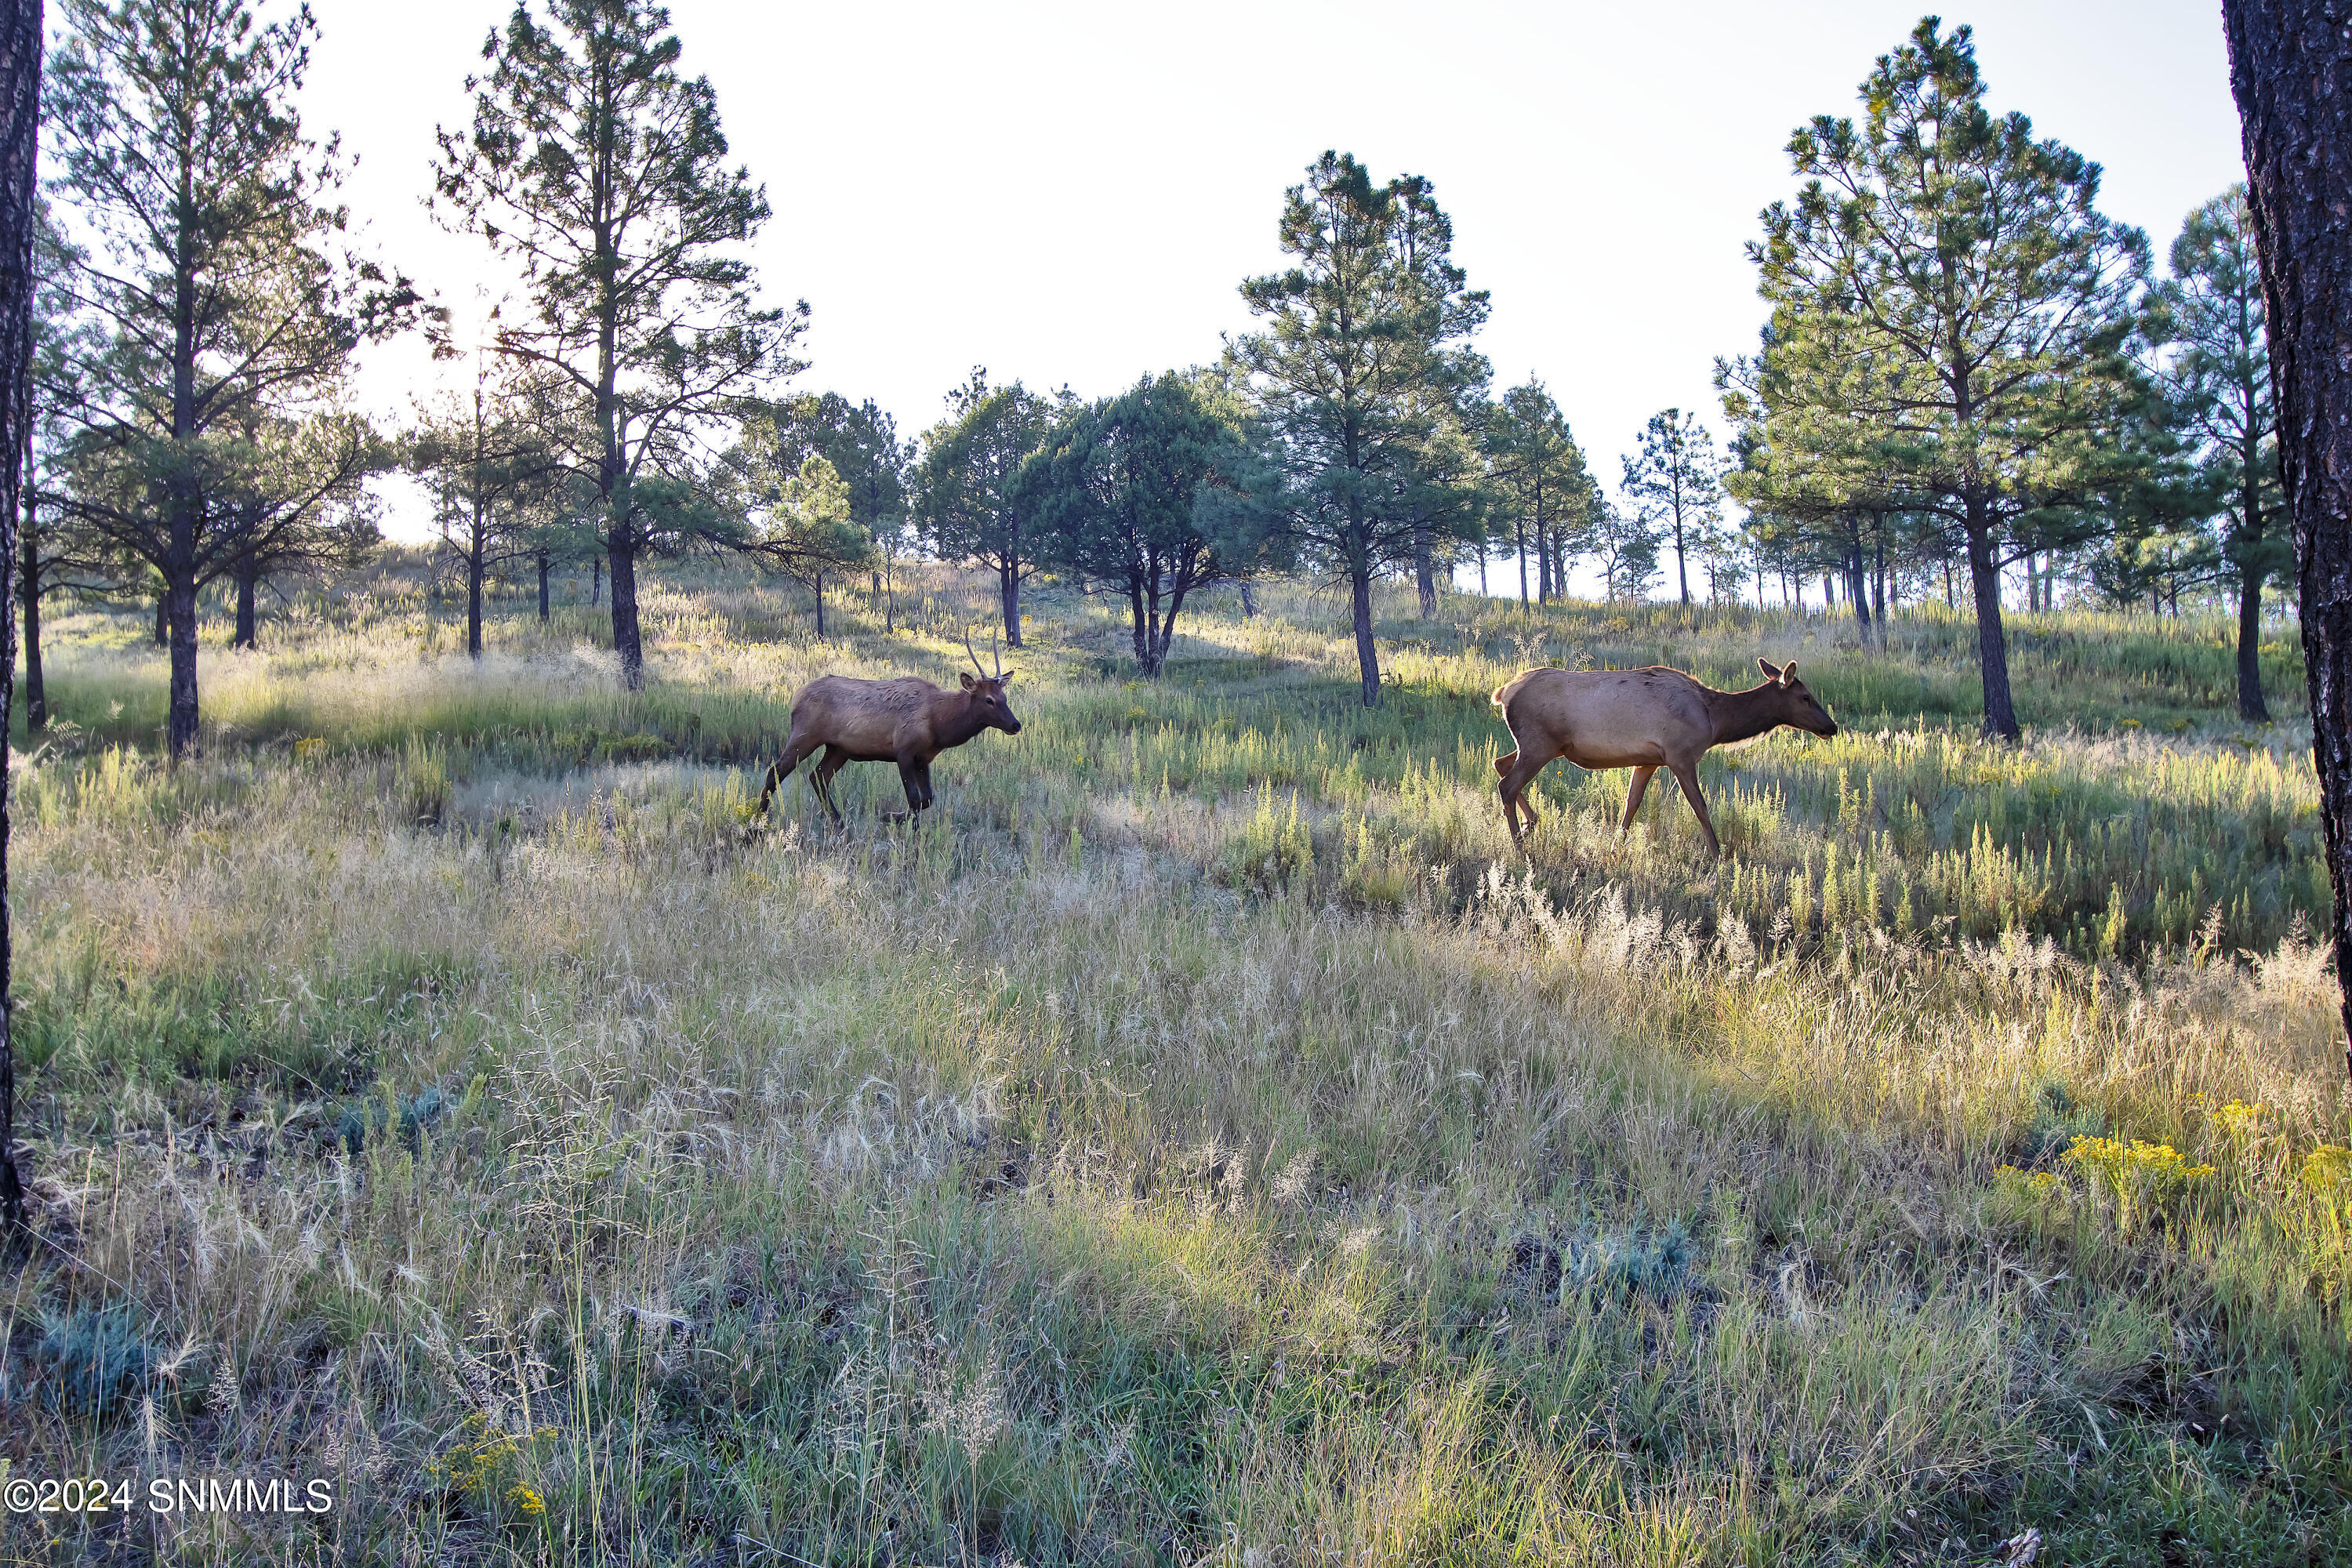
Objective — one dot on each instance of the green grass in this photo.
(1202, 1139)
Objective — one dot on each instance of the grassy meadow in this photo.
(1202, 1140)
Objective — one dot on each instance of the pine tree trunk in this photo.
(247, 631)
(820, 606)
(2250, 706)
(1523, 562)
(474, 574)
(1992, 643)
(1424, 571)
(1543, 564)
(543, 566)
(624, 616)
(1008, 591)
(180, 619)
(2292, 75)
(36, 692)
(1249, 600)
(20, 75)
(1134, 609)
(596, 582)
(1878, 581)
(1367, 656)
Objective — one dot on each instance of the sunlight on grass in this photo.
(1200, 1140)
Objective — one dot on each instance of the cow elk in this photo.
(907, 722)
(1639, 719)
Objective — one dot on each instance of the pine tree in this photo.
(1543, 484)
(861, 441)
(969, 499)
(1116, 493)
(1677, 474)
(600, 172)
(2291, 77)
(1365, 351)
(810, 530)
(1994, 301)
(20, 107)
(2217, 378)
(496, 478)
(207, 417)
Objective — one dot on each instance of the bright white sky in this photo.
(1071, 192)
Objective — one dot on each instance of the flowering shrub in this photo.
(2137, 1173)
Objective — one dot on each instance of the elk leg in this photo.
(797, 752)
(1634, 797)
(1514, 788)
(923, 777)
(917, 788)
(826, 767)
(1687, 775)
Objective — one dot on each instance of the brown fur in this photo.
(1639, 719)
(907, 722)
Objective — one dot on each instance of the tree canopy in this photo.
(1948, 298)
(1361, 366)
(602, 173)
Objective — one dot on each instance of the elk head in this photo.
(1800, 708)
(987, 703)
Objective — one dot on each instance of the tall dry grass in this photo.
(1199, 1141)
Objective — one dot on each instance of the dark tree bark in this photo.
(2250, 528)
(247, 575)
(626, 640)
(1858, 590)
(1249, 600)
(817, 582)
(37, 695)
(1992, 643)
(1368, 658)
(180, 733)
(20, 84)
(2250, 706)
(162, 619)
(2291, 70)
(1424, 571)
(596, 582)
(1878, 581)
(1008, 585)
(544, 564)
(474, 574)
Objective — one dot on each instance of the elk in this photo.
(907, 722)
(1639, 719)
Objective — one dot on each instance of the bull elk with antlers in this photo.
(1640, 719)
(907, 722)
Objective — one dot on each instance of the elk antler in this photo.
(995, 658)
(974, 656)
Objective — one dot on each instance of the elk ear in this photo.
(1766, 666)
(967, 682)
(1789, 673)
(1004, 680)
